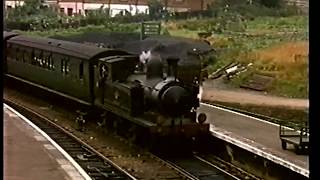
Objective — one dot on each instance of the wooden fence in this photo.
(304, 4)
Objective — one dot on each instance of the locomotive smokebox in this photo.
(176, 101)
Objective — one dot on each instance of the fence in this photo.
(303, 4)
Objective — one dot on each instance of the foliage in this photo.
(32, 15)
(271, 3)
(156, 9)
(110, 27)
(128, 18)
(259, 34)
(96, 17)
(44, 18)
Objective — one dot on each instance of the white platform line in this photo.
(244, 115)
(247, 116)
(65, 154)
(224, 136)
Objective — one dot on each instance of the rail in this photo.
(197, 167)
(95, 164)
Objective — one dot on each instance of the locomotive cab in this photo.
(112, 89)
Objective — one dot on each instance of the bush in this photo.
(271, 3)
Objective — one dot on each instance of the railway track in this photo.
(198, 167)
(188, 167)
(97, 166)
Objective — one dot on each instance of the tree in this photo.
(32, 6)
(155, 8)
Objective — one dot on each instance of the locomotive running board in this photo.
(125, 115)
(49, 90)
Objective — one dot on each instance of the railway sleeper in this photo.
(107, 173)
(69, 145)
(85, 157)
(75, 153)
(98, 164)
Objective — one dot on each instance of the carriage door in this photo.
(103, 74)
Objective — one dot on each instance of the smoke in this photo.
(200, 93)
(145, 56)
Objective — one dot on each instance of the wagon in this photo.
(298, 136)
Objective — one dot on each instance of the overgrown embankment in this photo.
(276, 46)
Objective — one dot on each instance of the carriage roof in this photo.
(65, 47)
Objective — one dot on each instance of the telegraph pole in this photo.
(4, 13)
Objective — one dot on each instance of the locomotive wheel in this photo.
(297, 149)
(284, 145)
(132, 133)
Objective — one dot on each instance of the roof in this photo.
(167, 46)
(64, 47)
(7, 35)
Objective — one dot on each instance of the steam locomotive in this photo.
(160, 95)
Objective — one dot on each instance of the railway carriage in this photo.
(58, 66)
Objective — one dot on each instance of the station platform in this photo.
(254, 135)
(29, 154)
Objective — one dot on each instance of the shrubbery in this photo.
(20, 19)
(227, 15)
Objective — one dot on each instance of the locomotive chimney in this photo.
(172, 66)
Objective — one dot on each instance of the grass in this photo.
(299, 23)
(289, 62)
(184, 33)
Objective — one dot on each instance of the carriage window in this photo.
(46, 60)
(41, 60)
(27, 55)
(50, 62)
(33, 58)
(36, 58)
(17, 54)
(81, 70)
(47, 66)
(23, 56)
(65, 65)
